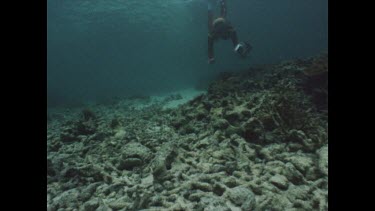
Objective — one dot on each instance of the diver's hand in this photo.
(242, 49)
(211, 60)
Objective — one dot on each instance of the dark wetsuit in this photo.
(219, 28)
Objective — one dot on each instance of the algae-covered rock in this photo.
(201, 186)
(292, 174)
(270, 152)
(91, 205)
(280, 181)
(301, 162)
(233, 130)
(323, 160)
(220, 123)
(212, 203)
(88, 191)
(252, 129)
(103, 207)
(163, 160)
(134, 155)
(67, 199)
(130, 163)
(50, 169)
(243, 197)
(237, 114)
(123, 202)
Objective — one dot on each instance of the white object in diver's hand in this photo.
(211, 60)
(242, 48)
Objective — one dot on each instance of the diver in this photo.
(220, 28)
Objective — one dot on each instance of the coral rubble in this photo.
(257, 140)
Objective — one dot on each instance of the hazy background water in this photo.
(99, 49)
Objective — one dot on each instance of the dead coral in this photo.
(318, 66)
(255, 141)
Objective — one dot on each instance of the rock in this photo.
(87, 192)
(87, 114)
(313, 173)
(220, 124)
(292, 174)
(320, 199)
(218, 189)
(222, 154)
(217, 168)
(134, 155)
(280, 181)
(115, 123)
(256, 187)
(159, 167)
(299, 140)
(277, 202)
(252, 129)
(179, 122)
(230, 166)
(156, 200)
(66, 199)
(130, 163)
(212, 203)
(270, 151)
(188, 129)
(268, 122)
(242, 196)
(301, 162)
(147, 181)
(49, 208)
(67, 137)
(91, 205)
(50, 169)
(120, 203)
(168, 185)
(85, 127)
(233, 130)
(120, 134)
(238, 113)
(203, 143)
(135, 149)
(301, 192)
(216, 112)
(201, 113)
(323, 160)
(296, 136)
(196, 197)
(230, 182)
(201, 186)
(103, 207)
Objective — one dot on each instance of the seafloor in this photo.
(256, 140)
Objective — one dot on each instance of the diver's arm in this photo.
(223, 6)
(233, 37)
(210, 16)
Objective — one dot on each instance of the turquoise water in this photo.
(101, 49)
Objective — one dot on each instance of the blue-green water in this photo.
(100, 49)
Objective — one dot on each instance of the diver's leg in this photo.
(210, 49)
(223, 8)
(210, 8)
(233, 37)
(210, 21)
